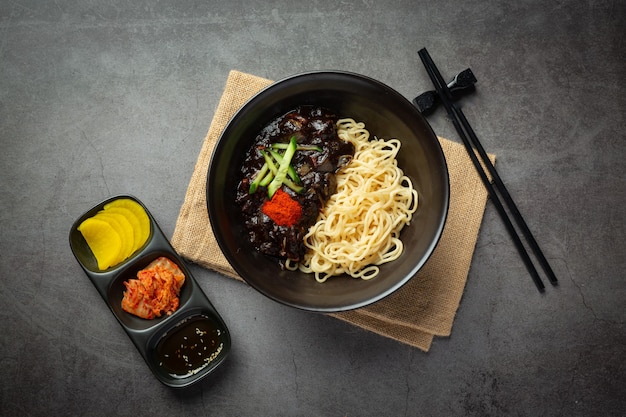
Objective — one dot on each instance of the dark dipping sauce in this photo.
(311, 126)
(190, 346)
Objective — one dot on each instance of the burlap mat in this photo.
(425, 307)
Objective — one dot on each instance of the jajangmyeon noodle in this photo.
(359, 227)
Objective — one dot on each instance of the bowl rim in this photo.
(391, 289)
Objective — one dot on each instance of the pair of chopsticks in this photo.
(495, 187)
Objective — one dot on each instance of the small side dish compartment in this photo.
(185, 350)
(123, 220)
(118, 288)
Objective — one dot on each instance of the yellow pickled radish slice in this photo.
(138, 211)
(105, 243)
(134, 222)
(123, 228)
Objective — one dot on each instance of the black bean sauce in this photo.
(311, 126)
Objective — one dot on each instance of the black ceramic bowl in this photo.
(386, 114)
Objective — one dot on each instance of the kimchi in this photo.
(155, 290)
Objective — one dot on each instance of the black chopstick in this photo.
(471, 143)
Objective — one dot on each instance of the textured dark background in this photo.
(104, 98)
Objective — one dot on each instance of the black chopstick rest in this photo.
(426, 102)
(461, 84)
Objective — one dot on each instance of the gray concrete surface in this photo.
(103, 98)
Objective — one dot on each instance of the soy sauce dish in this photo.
(180, 348)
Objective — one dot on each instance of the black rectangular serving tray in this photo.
(146, 334)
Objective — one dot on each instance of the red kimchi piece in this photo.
(155, 291)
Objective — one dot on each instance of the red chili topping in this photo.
(282, 209)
